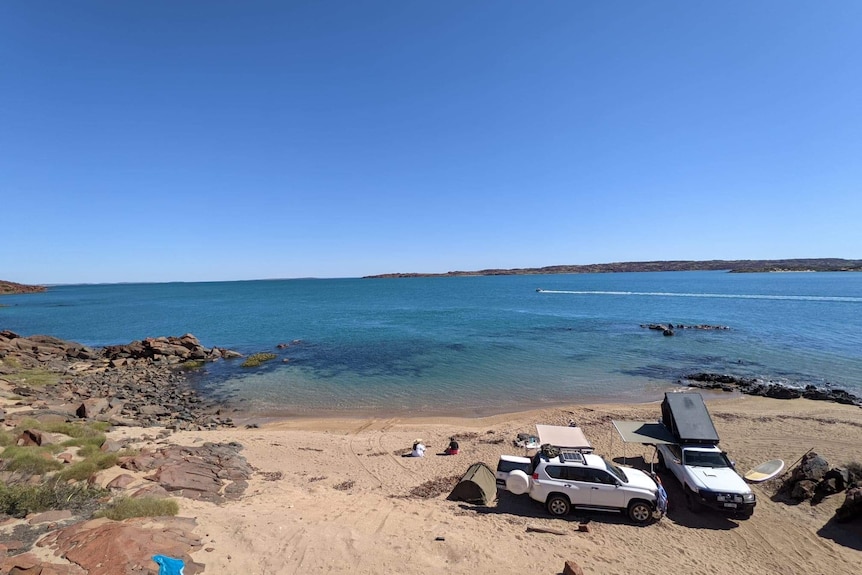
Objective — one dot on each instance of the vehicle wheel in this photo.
(691, 500)
(640, 511)
(660, 465)
(558, 505)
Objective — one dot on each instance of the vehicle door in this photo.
(675, 463)
(605, 489)
(569, 480)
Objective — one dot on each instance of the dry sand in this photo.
(343, 503)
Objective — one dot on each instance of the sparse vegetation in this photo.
(257, 359)
(126, 507)
(30, 460)
(35, 377)
(82, 470)
(19, 500)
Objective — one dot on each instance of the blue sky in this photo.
(205, 140)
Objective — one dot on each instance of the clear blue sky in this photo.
(206, 140)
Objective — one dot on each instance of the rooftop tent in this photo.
(564, 437)
(685, 415)
(479, 486)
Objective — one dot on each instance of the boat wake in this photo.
(841, 299)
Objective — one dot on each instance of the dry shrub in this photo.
(434, 487)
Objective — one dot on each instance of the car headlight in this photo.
(748, 497)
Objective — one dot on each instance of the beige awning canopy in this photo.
(563, 437)
(646, 432)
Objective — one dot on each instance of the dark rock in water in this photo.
(781, 392)
(662, 327)
(753, 386)
(667, 332)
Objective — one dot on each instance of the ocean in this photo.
(474, 345)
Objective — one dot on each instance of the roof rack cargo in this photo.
(687, 418)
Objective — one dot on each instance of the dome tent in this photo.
(478, 485)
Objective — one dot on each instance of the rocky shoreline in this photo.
(143, 383)
(771, 389)
(49, 386)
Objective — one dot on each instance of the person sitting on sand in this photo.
(418, 449)
(453, 448)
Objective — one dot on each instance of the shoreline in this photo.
(335, 493)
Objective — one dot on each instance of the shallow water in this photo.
(475, 345)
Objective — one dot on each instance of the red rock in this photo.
(120, 481)
(92, 407)
(105, 547)
(49, 517)
(572, 568)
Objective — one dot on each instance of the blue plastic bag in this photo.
(169, 565)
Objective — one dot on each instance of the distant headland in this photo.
(733, 266)
(11, 287)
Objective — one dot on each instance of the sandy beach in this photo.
(335, 495)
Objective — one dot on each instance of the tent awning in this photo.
(646, 432)
(563, 437)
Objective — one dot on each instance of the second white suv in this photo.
(588, 481)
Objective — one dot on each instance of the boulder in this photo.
(803, 489)
(812, 467)
(120, 482)
(852, 506)
(572, 568)
(92, 407)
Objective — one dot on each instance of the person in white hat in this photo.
(418, 449)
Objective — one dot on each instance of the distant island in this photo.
(732, 266)
(7, 288)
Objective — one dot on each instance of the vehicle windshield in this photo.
(706, 459)
(615, 470)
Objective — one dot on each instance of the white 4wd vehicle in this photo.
(707, 478)
(586, 481)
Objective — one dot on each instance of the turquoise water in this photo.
(475, 344)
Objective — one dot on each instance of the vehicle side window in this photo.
(675, 451)
(599, 476)
(556, 472)
(577, 474)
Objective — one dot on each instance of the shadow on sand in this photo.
(848, 534)
(523, 506)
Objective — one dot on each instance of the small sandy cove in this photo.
(335, 496)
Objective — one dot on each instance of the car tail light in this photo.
(536, 476)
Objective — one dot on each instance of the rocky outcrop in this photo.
(105, 547)
(852, 507)
(814, 479)
(7, 287)
(211, 472)
(754, 386)
(671, 326)
(140, 383)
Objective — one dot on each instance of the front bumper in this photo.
(726, 502)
